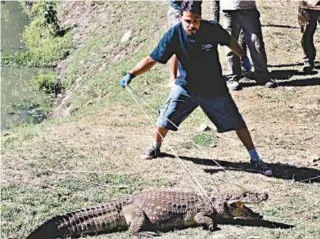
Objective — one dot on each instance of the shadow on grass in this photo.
(255, 223)
(302, 82)
(282, 78)
(317, 65)
(281, 171)
(280, 26)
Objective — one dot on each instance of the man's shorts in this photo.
(173, 17)
(221, 110)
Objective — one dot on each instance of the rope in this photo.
(215, 161)
(192, 178)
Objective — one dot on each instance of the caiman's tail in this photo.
(102, 218)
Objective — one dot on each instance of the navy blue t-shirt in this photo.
(199, 66)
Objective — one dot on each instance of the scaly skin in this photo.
(149, 211)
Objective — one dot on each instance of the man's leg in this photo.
(231, 24)
(178, 107)
(245, 138)
(224, 114)
(307, 44)
(154, 150)
(250, 21)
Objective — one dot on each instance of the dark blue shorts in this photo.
(221, 110)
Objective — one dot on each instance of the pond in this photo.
(16, 86)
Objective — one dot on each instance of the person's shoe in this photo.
(234, 85)
(270, 84)
(151, 153)
(308, 67)
(262, 167)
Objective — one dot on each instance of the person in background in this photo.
(200, 81)
(242, 39)
(308, 15)
(243, 14)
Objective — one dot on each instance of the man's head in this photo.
(190, 15)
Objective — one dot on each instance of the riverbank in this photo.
(29, 54)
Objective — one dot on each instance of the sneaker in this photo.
(263, 168)
(233, 85)
(151, 153)
(270, 84)
(308, 67)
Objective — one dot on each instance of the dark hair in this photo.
(191, 6)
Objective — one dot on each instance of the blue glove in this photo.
(246, 64)
(126, 80)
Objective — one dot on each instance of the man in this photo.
(309, 14)
(200, 82)
(243, 14)
(173, 17)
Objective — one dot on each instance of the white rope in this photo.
(215, 161)
(192, 178)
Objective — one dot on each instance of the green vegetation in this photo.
(48, 83)
(44, 39)
(205, 139)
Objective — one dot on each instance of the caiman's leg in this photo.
(207, 220)
(136, 219)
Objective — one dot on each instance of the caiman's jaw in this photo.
(239, 211)
(232, 207)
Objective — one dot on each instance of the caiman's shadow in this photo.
(282, 171)
(255, 223)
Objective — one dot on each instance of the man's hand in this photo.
(246, 64)
(126, 80)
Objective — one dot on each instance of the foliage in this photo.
(49, 17)
(43, 37)
(48, 83)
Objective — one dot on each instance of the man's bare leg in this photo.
(154, 150)
(245, 137)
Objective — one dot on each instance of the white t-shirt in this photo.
(237, 4)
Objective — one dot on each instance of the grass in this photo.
(93, 154)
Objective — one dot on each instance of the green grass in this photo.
(205, 139)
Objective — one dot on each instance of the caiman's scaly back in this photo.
(150, 210)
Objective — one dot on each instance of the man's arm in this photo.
(143, 66)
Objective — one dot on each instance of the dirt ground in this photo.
(72, 163)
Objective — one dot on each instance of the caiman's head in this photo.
(233, 206)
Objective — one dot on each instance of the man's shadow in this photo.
(282, 171)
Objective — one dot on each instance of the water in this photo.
(16, 87)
